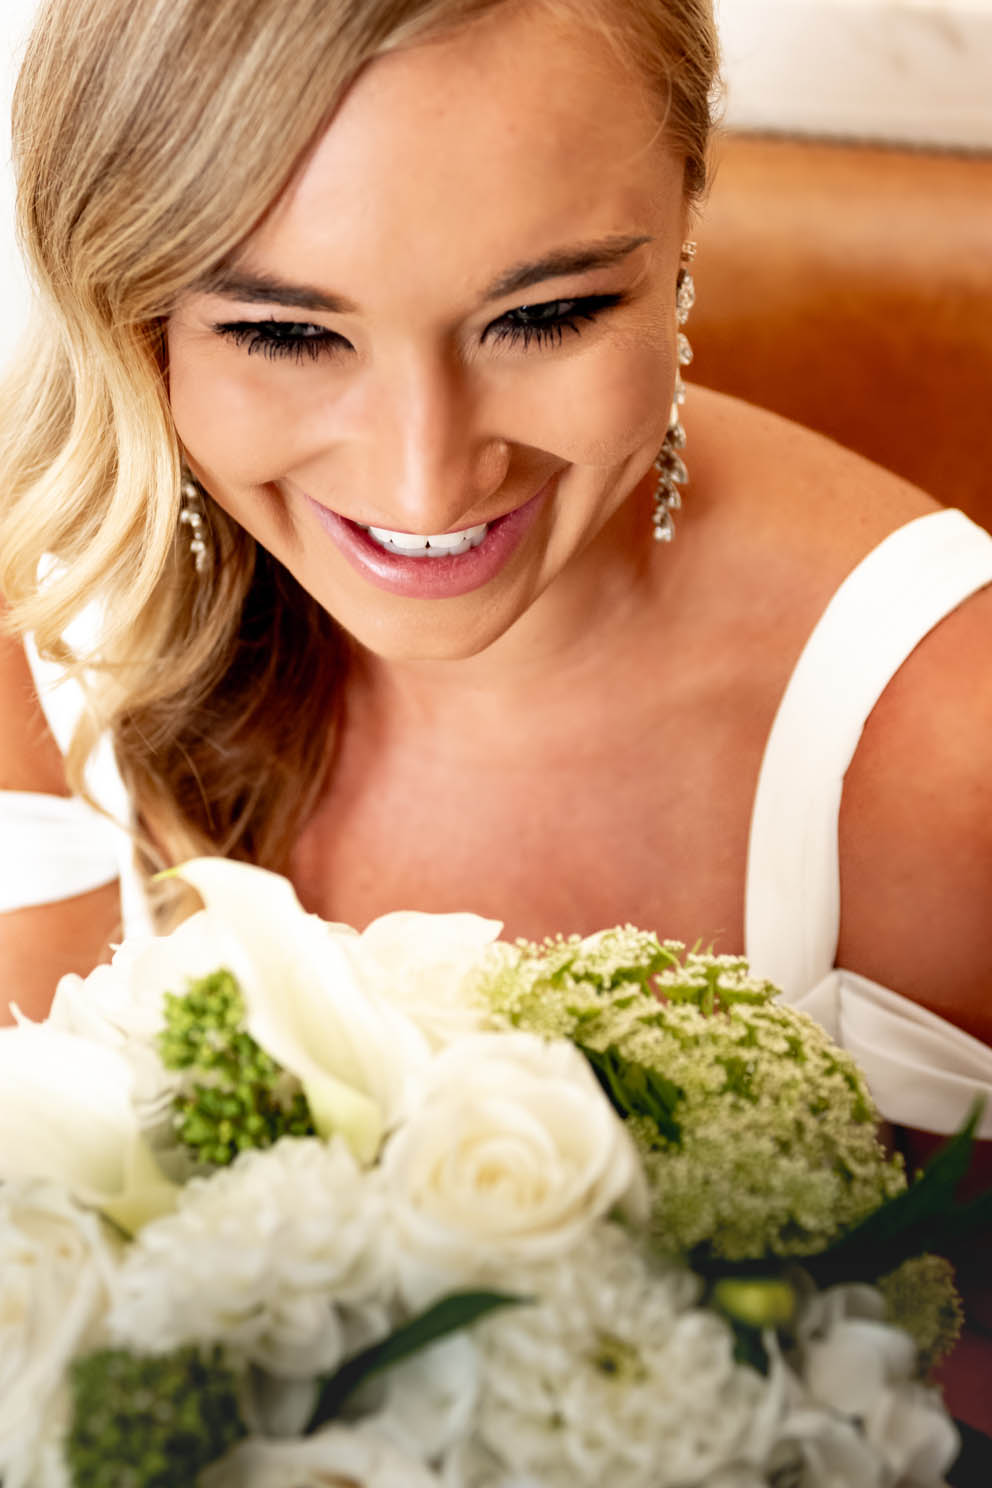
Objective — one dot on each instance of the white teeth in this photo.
(429, 545)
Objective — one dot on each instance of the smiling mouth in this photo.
(427, 545)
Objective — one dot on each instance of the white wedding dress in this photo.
(923, 1071)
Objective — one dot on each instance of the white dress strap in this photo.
(881, 612)
(53, 847)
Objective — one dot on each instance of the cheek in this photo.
(241, 418)
(598, 410)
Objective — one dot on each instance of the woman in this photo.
(402, 284)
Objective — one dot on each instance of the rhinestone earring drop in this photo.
(669, 463)
(192, 514)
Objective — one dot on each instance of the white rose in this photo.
(66, 1114)
(353, 1052)
(55, 1264)
(512, 1154)
(337, 1457)
(420, 963)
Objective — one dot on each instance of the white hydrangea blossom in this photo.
(280, 1257)
(613, 1376)
(338, 1457)
(860, 1371)
(56, 1260)
(429, 1400)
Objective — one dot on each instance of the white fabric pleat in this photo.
(922, 1070)
(52, 847)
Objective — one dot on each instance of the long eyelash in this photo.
(281, 338)
(304, 341)
(514, 329)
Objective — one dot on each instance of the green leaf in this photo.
(448, 1315)
(636, 1090)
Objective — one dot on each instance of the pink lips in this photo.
(431, 578)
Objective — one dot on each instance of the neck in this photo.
(580, 629)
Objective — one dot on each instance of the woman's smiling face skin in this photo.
(418, 398)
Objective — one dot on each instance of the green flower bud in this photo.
(758, 1302)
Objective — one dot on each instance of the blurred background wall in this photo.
(845, 253)
(844, 273)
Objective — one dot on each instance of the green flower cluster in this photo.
(758, 1134)
(235, 1095)
(149, 1422)
(921, 1297)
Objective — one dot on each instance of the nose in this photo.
(442, 468)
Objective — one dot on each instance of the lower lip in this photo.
(432, 578)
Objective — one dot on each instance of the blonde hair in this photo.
(150, 138)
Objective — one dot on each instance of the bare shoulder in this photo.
(796, 490)
(916, 827)
(916, 814)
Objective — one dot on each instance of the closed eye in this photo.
(545, 324)
(541, 325)
(282, 338)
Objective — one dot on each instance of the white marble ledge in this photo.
(914, 72)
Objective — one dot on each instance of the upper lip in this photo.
(463, 526)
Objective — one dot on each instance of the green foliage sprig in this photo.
(150, 1422)
(236, 1096)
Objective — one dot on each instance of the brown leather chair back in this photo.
(850, 288)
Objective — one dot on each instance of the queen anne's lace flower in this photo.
(279, 1257)
(613, 1376)
(55, 1263)
(770, 1143)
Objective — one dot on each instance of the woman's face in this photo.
(457, 323)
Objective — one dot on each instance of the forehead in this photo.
(460, 154)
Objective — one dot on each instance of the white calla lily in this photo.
(66, 1114)
(352, 1051)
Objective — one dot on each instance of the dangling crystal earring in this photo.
(669, 463)
(192, 514)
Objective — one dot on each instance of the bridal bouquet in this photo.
(282, 1205)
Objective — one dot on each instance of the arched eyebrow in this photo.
(232, 282)
(579, 259)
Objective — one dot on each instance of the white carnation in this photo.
(338, 1457)
(613, 1376)
(55, 1263)
(511, 1155)
(280, 1257)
